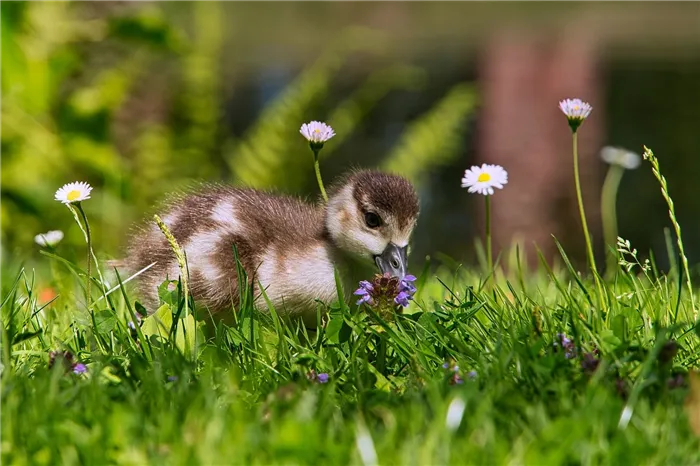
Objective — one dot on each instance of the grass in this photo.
(190, 392)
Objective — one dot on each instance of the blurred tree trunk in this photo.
(523, 76)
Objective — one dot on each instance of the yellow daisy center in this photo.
(73, 195)
(317, 131)
(484, 177)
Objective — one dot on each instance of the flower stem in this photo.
(586, 234)
(489, 253)
(608, 209)
(381, 355)
(88, 238)
(318, 174)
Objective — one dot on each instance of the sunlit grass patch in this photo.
(267, 390)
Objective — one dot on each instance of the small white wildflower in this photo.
(454, 414)
(365, 446)
(73, 192)
(483, 179)
(50, 238)
(316, 132)
(576, 110)
(619, 156)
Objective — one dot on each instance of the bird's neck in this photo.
(351, 271)
(351, 268)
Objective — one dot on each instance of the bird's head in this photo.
(371, 215)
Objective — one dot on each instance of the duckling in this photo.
(287, 246)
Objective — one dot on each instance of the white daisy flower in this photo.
(455, 412)
(50, 238)
(316, 132)
(73, 192)
(483, 179)
(619, 156)
(576, 110)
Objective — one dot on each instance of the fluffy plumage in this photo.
(288, 246)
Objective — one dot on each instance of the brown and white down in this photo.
(287, 246)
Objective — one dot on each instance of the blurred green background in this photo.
(141, 99)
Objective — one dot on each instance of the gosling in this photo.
(288, 248)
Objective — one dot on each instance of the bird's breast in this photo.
(295, 278)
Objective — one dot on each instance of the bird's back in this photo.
(264, 228)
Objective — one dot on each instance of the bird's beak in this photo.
(393, 260)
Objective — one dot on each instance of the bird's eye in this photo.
(372, 220)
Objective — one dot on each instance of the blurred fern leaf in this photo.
(273, 147)
(435, 138)
(348, 114)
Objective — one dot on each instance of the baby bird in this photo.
(286, 246)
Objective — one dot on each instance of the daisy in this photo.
(483, 179)
(576, 110)
(620, 157)
(73, 192)
(50, 238)
(316, 132)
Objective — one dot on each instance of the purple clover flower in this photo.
(406, 291)
(450, 366)
(312, 376)
(455, 377)
(384, 293)
(365, 291)
(407, 284)
(566, 344)
(67, 360)
(402, 299)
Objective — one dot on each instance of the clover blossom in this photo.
(365, 292)
(454, 376)
(386, 293)
(566, 344)
(312, 376)
(67, 359)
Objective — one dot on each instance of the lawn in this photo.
(525, 368)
